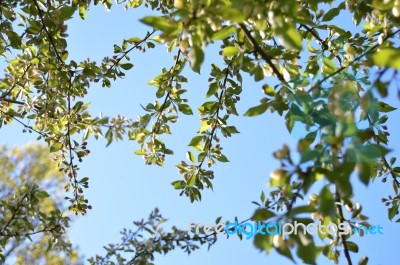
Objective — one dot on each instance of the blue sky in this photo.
(122, 189)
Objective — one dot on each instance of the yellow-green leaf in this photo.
(223, 33)
(140, 152)
(290, 37)
(387, 57)
(55, 147)
(196, 56)
(257, 110)
(164, 24)
(230, 51)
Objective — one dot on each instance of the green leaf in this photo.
(364, 172)
(134, 40)
(232, 14)
(82, 12)
(83, 180)
(192, 180)
(164, 24)
(268, 90)
(195, 141)
(286, 252)
(126, 66)
(290, 37)
(42, 194)
(223, 33)
(306, 249)
(356, 211)
(393, 211)
(364, 153)
(302, 209)
(230, 129)
(66, 12)
(326, 202)
(179, 184)
(363, 261)
(230, 51)
(257, 110)
(64, 56)
(205, 125)
(387, 57)
(328, 63)
(309, 155)
(262, 196)
(262, 242)
(384, 107)
(35, 61)
(56, 147)
(331, 14)
(221, 158)
(185, 109)
(140, 152)
(289, 122)
(196, 56)
(190, 156)
(352, 246)
(212, 89)
(14, 38)
(382, 5)
(262, 215)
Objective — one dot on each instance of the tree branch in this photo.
(40, 12)
(30, 128)
(216, 115)
(167, 97)
(3, 97)
(12, 101)
(149, 34)
(341, 69)
(13, 215)
(322, 42)
(386, 163)
(342, 220)
(71, 158)
(265, 56)
(44, 230)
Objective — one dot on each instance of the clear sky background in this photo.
(122, 189)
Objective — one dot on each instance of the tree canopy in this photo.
(328, 78)
(29, 213)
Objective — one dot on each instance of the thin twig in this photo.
(149, 34)
(260, 51)
(338, 200)
(386, 163)
(40, 12)
(341, 69)
(216, 115)
(71, 158)
(12, 101)
(29, 233)
(294, 198)
(322, 42)
(13, 214)
(23, 124)
(167, 97)
(342, 220)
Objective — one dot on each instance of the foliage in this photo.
(29, 213)
(158, 241)
(314, 72)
